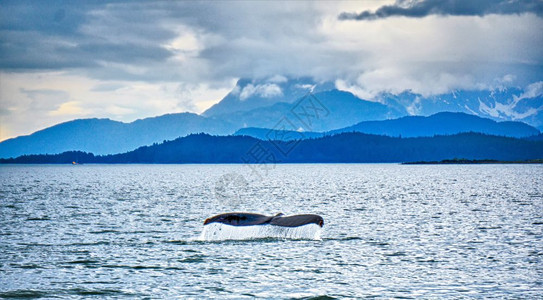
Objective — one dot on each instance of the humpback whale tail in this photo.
(239, 225)
(248, 219)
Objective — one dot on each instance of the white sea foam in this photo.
(221, 232)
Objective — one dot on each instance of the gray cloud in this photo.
(44, 99)
(131, 59)
(106, 87)
(55, 35)
(423, 8)
(129, 40)
(110, 40)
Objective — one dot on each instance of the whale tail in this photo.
(243, 226)
(297, 220)
(249, 219)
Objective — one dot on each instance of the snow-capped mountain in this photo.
(249, 94)
(507, 104)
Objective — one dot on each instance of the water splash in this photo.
(221, 232)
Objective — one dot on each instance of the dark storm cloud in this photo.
(52, 35)
(419, 9)
(63, 34)
(58, 17)
(216, 41)
(125, 40)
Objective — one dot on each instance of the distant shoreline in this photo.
(340, 148)
(443, 162)
(473, 162)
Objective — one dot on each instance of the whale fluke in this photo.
(297, 220)
(249, 219)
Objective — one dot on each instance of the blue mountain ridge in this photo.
(284, 104)
(444, 123)
(321, 111)
(339, 148)
(104, 136)
(249, 94)
(506, 104)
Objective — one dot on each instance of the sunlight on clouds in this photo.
(5, 132)
(32, 101)
(70, 108)
(185, 42)
(119, 110)
(185, 45)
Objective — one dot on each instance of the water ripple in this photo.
(391, 231)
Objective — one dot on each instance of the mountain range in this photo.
(250, 94)
(444, 123)
(340, 148)
(301, 106)
(505, 104)
(104, 136)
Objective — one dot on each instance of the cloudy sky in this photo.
(62, 60)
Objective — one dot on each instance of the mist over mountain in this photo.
(506, 104)
(249, 94)
(321, 111)
(265, 104)
(294, 105)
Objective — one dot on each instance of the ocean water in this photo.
(132, 231)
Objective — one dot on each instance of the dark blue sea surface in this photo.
(418, 231)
